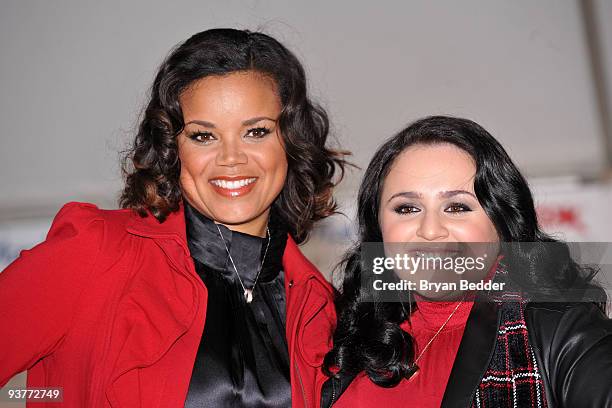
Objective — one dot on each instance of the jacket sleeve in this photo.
(577, 351)
(40, 289)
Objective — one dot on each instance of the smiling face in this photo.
(428, 196)
(429, 205)
(233, 163)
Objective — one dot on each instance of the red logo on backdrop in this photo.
(560, 216)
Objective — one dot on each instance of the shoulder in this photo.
(79, 218)
(558, 313)
(299, 268)
(572, 329)
(563, 317)
(68, 254)
(573, 341)
(83, 230)
(83, 212)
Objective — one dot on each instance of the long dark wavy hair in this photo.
(368, 336)
(151, 166)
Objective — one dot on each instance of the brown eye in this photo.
(201, 137)
(258, 132)
(406, 209)
(457, 208)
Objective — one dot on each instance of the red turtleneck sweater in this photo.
(426, 388)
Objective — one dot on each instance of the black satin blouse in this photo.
(242, 360)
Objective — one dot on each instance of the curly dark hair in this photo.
(151, 166)
(368, 336)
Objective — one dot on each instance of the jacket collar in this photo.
(474, 354)
(173, 227)
(297, 268)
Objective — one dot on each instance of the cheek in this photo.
(193, 162)
(394, 228)
(283, 168)
(275, 165)
(478, 229)
(192, 179)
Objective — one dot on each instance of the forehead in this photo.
(432, 168)
(241, 93)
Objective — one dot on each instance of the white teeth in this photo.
(232, 185)
(433, 254)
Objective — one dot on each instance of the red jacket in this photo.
(110, 308)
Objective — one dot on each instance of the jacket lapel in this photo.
(155, 315)
(474, 354)
(306, 289)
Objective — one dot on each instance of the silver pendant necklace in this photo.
(248, 293)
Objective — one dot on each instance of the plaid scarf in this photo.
(512, 378)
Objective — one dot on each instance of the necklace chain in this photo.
(248, 293)
(414, 367)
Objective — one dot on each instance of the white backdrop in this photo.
(74, 76)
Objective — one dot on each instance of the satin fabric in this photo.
(242, 360)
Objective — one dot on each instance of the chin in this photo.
(233, 216)
(233, 219)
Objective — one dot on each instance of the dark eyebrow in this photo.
(442, 194)
(248, 122)
(253, 121)
(202, 123)
(451, 193)
(406, 194)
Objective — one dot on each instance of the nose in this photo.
(431, 227)
(231, 154)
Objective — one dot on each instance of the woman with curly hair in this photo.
(438, 186)
(195, 293)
